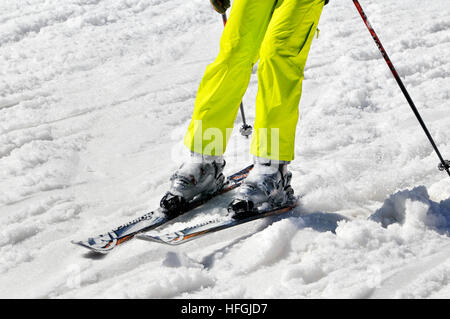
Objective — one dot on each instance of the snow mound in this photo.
(414, 207)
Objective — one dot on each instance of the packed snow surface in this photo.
(95, 97)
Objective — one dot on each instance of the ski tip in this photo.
(76, 242)
(90, 248)
(80, 243)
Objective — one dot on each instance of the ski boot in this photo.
(266, 187)
(194, 180)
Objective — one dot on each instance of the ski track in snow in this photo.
(95, 97)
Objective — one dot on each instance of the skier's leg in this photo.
(218, 98)
(226, 79)
(280, 73)
(283, 57)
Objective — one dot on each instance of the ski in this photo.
(106, 242)
(191, 233)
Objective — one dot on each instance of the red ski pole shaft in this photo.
(445, 165)
(224, 19)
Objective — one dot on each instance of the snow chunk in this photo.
(413, 208)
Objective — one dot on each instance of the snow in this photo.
(95, 97)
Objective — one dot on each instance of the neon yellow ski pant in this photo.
(279, 34)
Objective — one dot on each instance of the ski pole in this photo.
(246, 130)
(444, 164)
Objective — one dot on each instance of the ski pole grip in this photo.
(221, 6)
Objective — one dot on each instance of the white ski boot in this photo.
(266, 187)
(196, 179)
